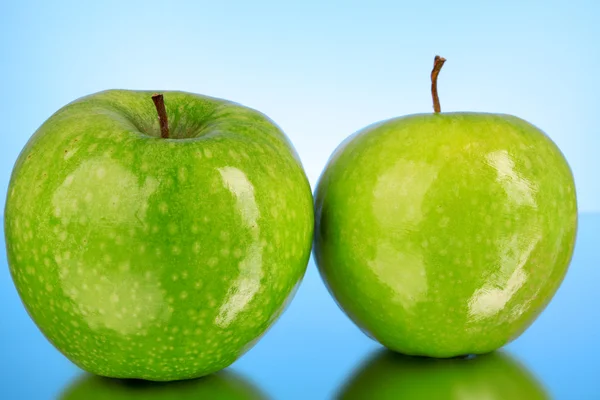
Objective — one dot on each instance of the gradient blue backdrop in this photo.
(321, 70)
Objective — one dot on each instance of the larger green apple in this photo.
(140, 256)
(445, 234)
(495, 376)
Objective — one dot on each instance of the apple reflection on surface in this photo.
(494, 376)
(224, 385)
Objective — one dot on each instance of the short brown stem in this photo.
(438, 62)
(159, 103)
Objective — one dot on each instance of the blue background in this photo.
(321, 70)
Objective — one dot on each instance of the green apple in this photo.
(445, 234)
(223, 385)
(495, 376)
(152, 252)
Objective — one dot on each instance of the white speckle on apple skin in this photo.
(237, 253)
(182, 174)
(163, 207)
(196, 247)
(213, 261)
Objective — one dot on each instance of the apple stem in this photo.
(159, 103)
(438, 62)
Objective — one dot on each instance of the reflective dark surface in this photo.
(224, 385)
(389, 375)
(315, 352)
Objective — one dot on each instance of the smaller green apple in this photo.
(445, 234)
(223, 385)
(389, 375)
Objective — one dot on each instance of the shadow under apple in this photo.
(224, 385)
(494, 376)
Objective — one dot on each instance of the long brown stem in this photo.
(159, 103)
(438, 62)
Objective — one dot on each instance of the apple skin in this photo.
(389, 375)
(223, 385)
(159, 259)
(445, 234)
